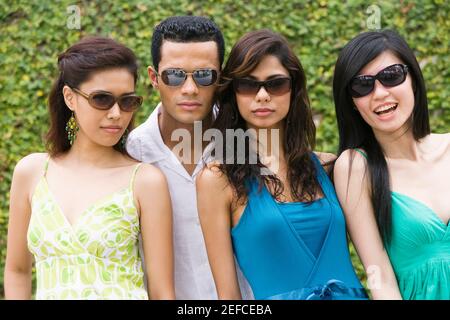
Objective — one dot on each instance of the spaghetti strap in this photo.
(134, 174)
(46, 165)
(361, 152)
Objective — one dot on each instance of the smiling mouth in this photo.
(386, 109)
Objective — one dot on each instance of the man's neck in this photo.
(184, 140)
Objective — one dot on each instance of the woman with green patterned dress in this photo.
(82, 208)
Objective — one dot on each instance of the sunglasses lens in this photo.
(361, 86)
(278, 86)
(246, 86)
(392, 76)
(176, 77)
(173, 77)
(205, 77)
(102, 101)
(130, 103)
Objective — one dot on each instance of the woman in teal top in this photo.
(270, 202)
(392, 176)
(302, 246)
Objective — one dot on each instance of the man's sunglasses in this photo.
(277, 86)
(176, 77)
(104, 100)
(391, 76)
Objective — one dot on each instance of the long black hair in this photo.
(299, 137)
(354, 132)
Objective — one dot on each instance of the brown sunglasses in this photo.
(104, 100)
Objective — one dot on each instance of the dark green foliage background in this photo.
(32, 33)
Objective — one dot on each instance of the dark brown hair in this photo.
(76, 65)
(299, 137)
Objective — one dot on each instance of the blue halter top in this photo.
(295, 251)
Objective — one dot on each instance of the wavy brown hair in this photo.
(299, 133)
(76, 65)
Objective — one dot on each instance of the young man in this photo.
(187, 54)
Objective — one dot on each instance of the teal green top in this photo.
(295, 251)
(419, 249)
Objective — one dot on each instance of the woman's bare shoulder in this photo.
(350, 159)
(31, 164)
(326, 160)
(150, 175)
(325, 157)
(212, 178)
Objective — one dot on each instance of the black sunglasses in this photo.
(277, 86)
(174, 77)
(391, 76)
(104, 100)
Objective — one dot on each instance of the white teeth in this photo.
(384, 108)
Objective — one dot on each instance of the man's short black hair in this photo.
(186, 29)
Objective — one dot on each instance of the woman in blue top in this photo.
(270, 190)
(393, 175)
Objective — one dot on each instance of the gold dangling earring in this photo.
(72, 128)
